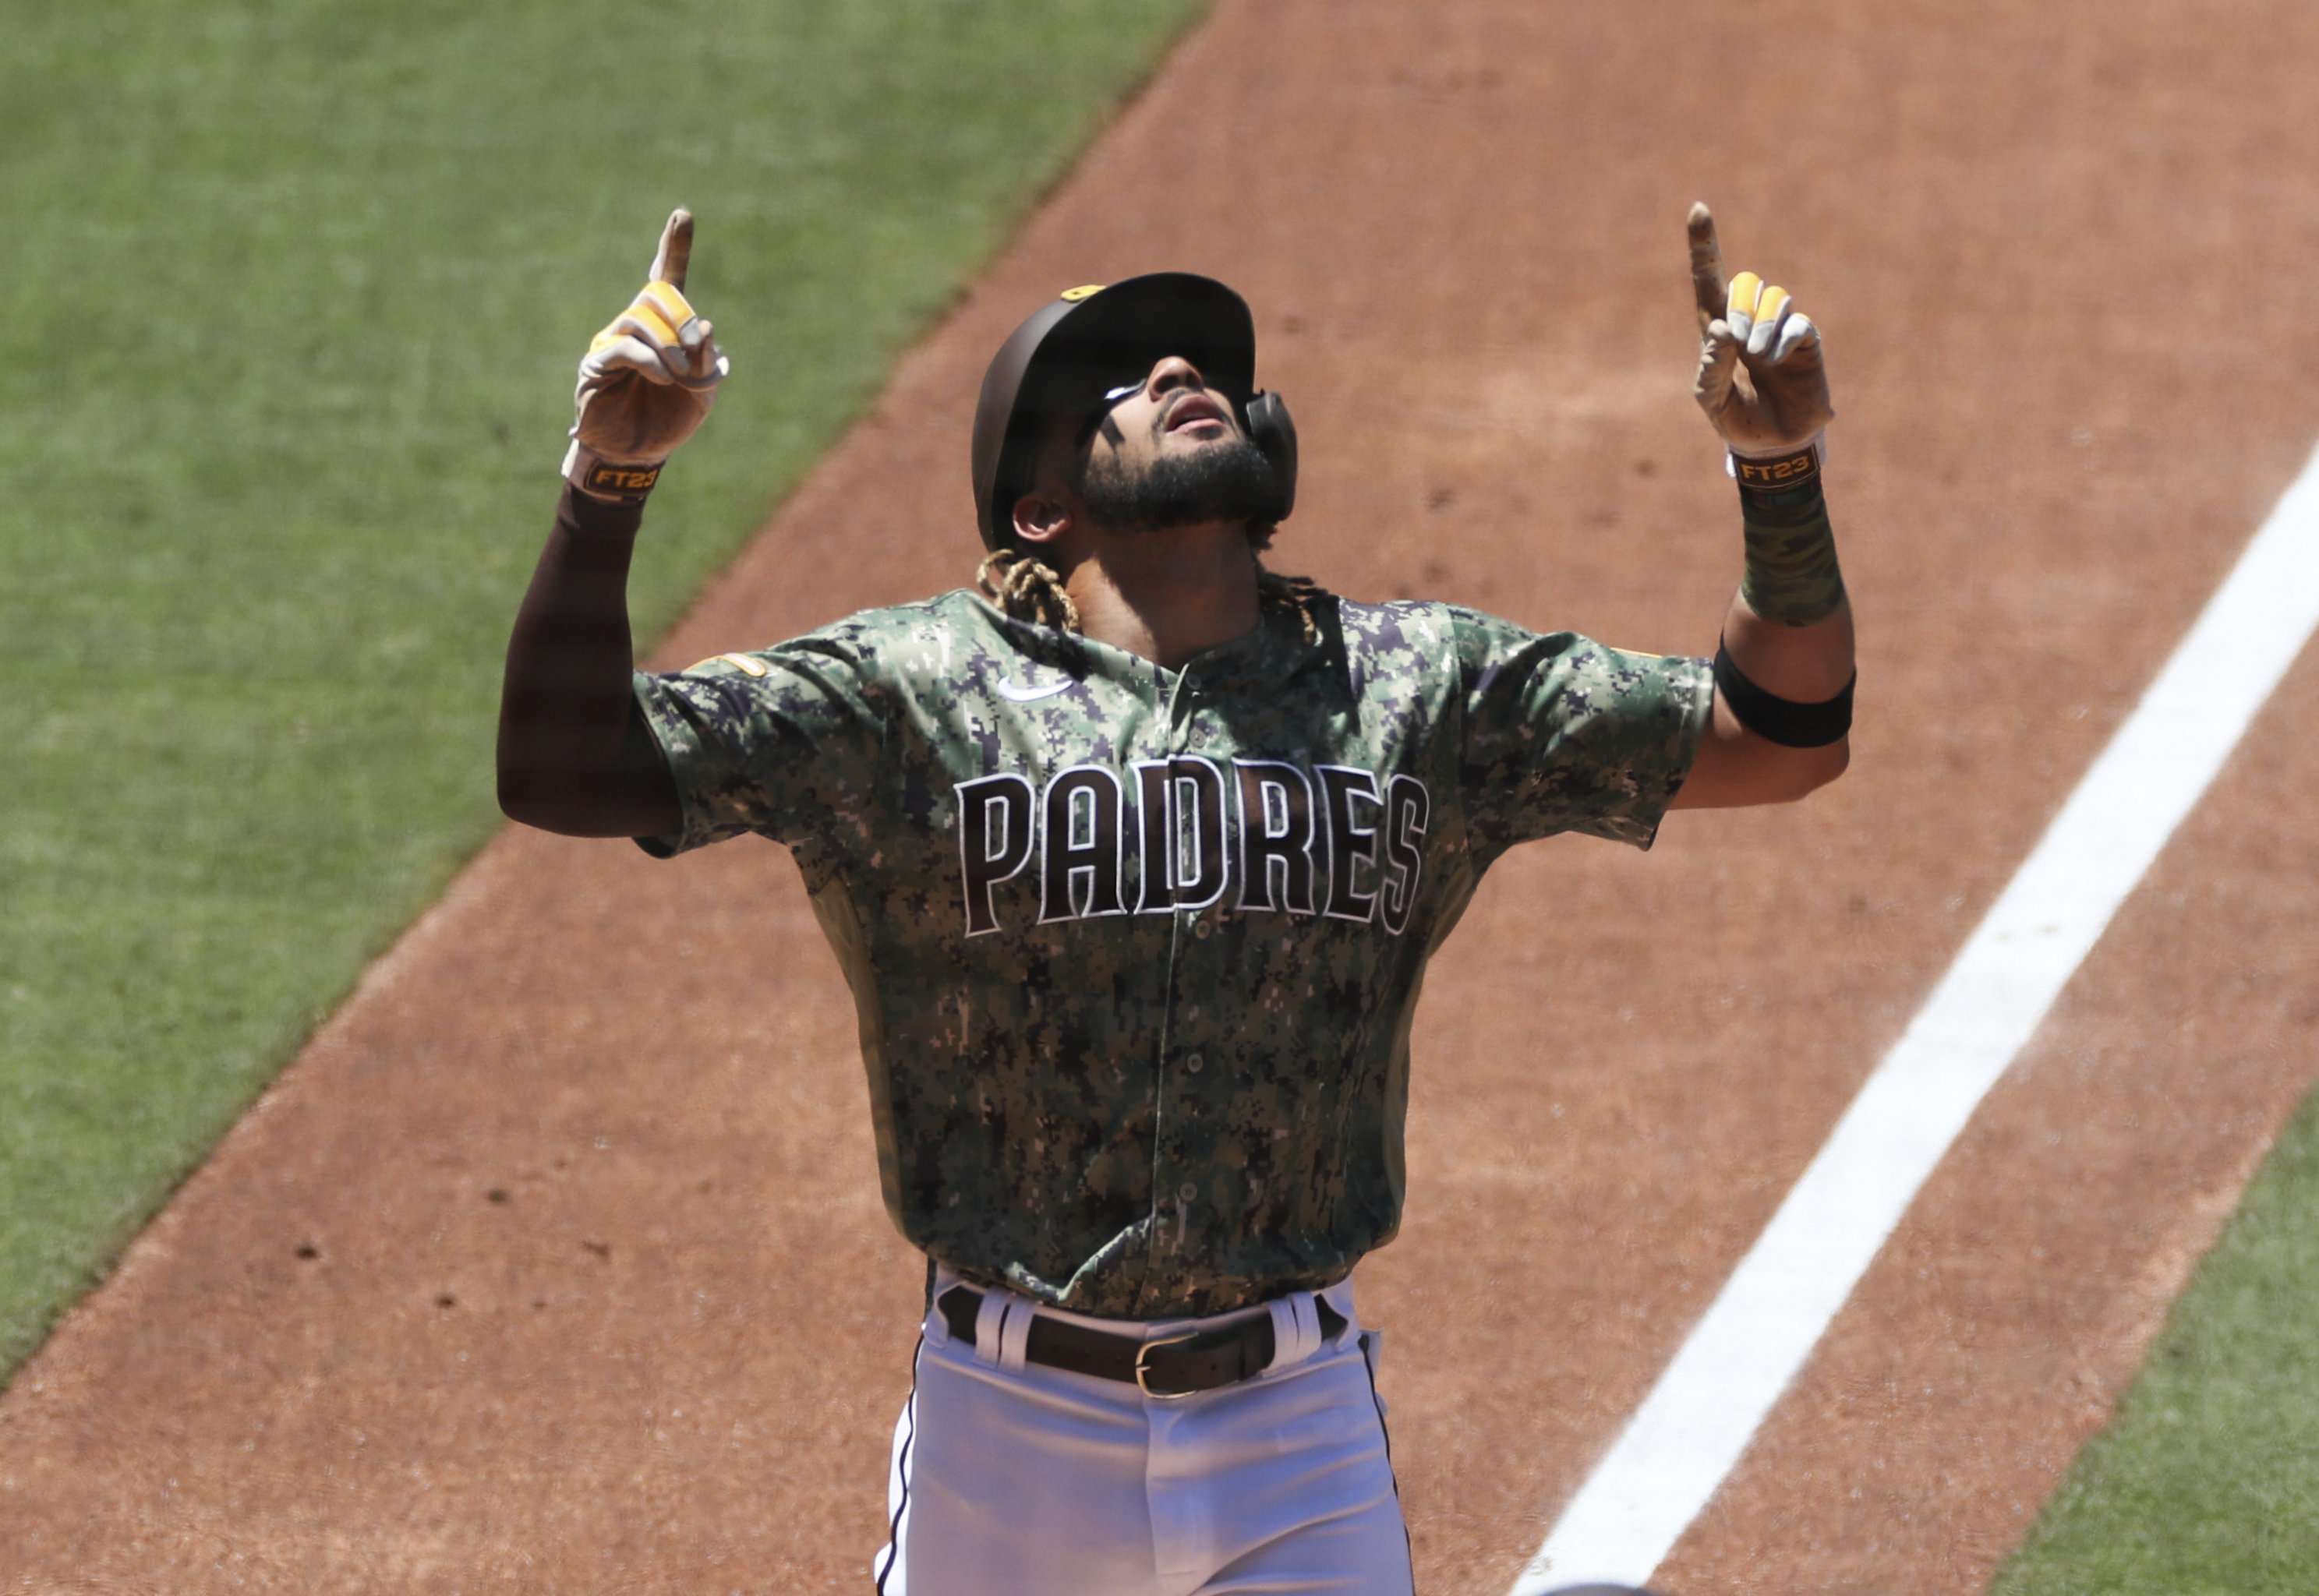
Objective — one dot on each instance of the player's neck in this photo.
(1166, 595)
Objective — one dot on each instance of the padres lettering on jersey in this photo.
(1137, 952)
(1259, 834)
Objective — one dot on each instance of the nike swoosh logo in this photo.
(1027, 695)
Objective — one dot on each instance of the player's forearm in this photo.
(1785, 672)
(1783, 682)
(1789, 629)
(575, 753)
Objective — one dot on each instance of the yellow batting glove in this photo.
(647, 382)
(1784, 406)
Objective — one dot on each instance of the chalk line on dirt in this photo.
(1693, 1428)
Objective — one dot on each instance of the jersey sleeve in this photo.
(781, 742)
(1562, 734)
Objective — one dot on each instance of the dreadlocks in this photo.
(1029, 590)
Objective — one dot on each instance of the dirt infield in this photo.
(556, 1261)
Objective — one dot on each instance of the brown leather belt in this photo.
(1164, 1367)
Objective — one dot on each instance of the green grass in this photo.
(2206, 1482)
(294, 291)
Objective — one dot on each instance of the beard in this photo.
(1230, 481)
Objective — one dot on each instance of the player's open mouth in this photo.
(1194, 410)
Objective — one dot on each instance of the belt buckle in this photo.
(1143, 1370)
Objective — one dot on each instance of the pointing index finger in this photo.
(1706, 266)
(675, 250)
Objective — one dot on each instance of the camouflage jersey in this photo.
(1135, 951)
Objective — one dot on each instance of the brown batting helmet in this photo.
(1077, 349)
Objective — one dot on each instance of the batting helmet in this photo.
(1078, 347)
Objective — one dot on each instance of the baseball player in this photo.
(1133, 855)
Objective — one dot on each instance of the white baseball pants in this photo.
(1013, 1479)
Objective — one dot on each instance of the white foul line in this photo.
(1690, 1430)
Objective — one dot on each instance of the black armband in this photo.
(1781, 720)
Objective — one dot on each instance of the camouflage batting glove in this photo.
(1784, 407)
(647, 382)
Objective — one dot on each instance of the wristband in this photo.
(1784, 721)
(1777, 472)
(600, 478)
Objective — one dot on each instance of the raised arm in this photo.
(1785, 671)
(575, 753)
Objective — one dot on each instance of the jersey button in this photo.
(1195, 1064)
(1201, 930)
(1188, 1191)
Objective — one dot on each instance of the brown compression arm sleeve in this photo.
(575, 753)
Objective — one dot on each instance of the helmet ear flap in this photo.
(1275, 437)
